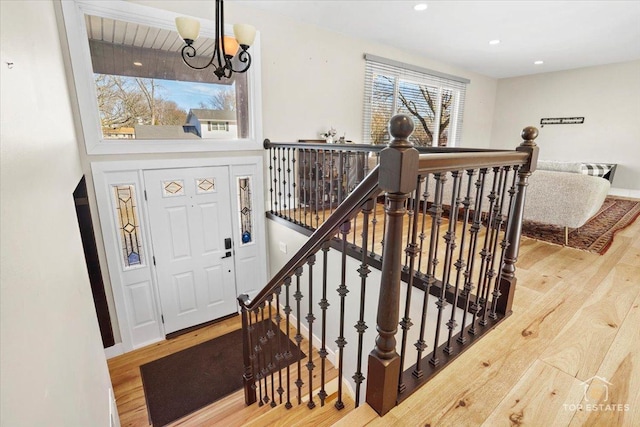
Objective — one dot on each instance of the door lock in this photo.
(227, 245)
(227, 255)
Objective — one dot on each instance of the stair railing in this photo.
(482, 215)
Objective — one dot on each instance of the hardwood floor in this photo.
(576, 317)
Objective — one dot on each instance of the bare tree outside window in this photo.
(423, 102)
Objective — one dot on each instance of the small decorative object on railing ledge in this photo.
(329, 135)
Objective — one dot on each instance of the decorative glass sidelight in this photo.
(205, 185)
(244, 198)
(128, 225)
(173, 188)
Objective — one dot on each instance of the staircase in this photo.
(442, 276)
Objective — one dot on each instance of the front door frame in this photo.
(137, 332)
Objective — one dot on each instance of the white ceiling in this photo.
(563, 34)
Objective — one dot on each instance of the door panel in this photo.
(189, 224)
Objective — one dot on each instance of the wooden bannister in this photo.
(481, 195)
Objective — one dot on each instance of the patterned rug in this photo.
(598, 232)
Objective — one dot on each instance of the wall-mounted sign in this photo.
(562, 121)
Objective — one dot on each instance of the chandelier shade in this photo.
(227, 50)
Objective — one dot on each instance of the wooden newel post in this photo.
(247, 376)
(397, 177)
(508, 270)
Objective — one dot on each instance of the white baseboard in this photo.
(624, 192)
(114, 350)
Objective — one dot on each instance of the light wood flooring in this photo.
(576, 316)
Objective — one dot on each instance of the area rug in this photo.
(598, 232)
(183, 382)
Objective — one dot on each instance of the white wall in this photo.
(607, 96)
(313, 78)
(53, 367)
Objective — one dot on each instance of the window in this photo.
(135, 94)
(435, 102)
(126, 212)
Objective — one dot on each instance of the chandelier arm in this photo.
(188, 51)
(245, 58)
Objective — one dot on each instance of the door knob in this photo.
(227, 255)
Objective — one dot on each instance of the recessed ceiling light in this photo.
(420, 6)
(496, 41)
(137, 64)
(538, 62)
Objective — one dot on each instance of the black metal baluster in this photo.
(496, 223)
(271, 153)
(296, 195)
(306, 183)
(422, 236)
(258, 353)
(274, 183)
(263, 343)
(340, 177)
(513, 191)
(485, 254)
(364, 271)
(435, 211)
(279, 353)
(460, 264)
(342, 292)
(324, 305)
(411, 251)
(298, 297)
(310, 318)
(289, 217)
(471, 258)
(288, 355)
(317, 190)
(374, 221)
(324, 186)
(450, 239)
(270, 335)
(284, 184)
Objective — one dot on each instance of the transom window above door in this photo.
(135, 94)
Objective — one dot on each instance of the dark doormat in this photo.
(184, 382)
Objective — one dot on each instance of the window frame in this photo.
(73, 12)
(411, 74)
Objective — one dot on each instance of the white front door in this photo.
(190, 219)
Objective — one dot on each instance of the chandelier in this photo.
(225, 47)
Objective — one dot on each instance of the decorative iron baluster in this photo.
(324, 305)
(284, 184)
(289, 184)
(422, 236)
(306, 183)
(279, 354)
(505, 242)
(317, 189)
(271, 366)
(411, 251)
(296, 204)
(364, 271)
(340, 177)
(485, 256)
(263, 343)
(473, 231)
(435, 211)
(288, 355)
(450, 239)
(342, 292)
(324, 184)
(298, 297)
(258, 352)
(279, 170)
(310, 318)
(495, 234)
(271, 153)
(460, 263)
(275, 180)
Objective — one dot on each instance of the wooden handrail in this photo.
(433, 163)
(367, 189)
(370, 148)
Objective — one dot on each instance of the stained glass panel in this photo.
(246, 220)
(205, 185)
(128, 225)
(173, 188)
